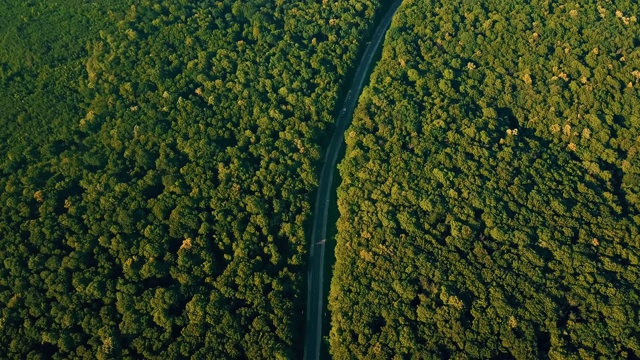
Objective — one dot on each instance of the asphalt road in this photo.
(315, 296)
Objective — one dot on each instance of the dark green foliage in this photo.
(158, 164)
(490, 199)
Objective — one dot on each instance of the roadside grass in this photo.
(330, 257)
(333, 213)
(332, 219)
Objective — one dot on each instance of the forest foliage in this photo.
(159, 159)
(490, 196)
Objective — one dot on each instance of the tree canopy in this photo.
(489, 204)
(159, 164)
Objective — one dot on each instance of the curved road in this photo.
(315, 296)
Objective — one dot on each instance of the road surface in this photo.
(315, 296)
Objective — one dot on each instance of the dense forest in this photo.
(159, 160)
(490, 196)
